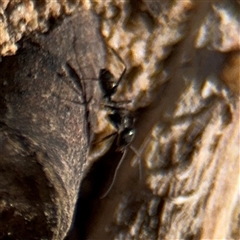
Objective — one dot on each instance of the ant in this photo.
(121, 118)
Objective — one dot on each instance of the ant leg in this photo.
(69, 100)
(105, 138)
(125, 68)
(87, 127)
(120, 78)
(119, 58)
(63, 76)
(115, 175)
(77, 81)
(113, 104)
(75, 77)
(139, 156)
(139, 161)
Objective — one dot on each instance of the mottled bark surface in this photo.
(182, 61)
(45, 118)
(188, 137)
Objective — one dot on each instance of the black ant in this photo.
(121, 118)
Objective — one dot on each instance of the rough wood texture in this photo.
(189, 135)
(183, 66)
(44, 128)
(20, 18)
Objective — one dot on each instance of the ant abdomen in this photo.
(107, 83)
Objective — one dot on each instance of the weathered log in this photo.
(188, 138)
(45, 119)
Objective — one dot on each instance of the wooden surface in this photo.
(44, 128)
(182, 76)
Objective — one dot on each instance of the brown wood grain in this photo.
(182, 61)
(44, 127)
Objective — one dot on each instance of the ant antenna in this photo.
(114, 176)
(121, 161)
(125, 68)
(118, 167)
(139, 161)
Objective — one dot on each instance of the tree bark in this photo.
(182, 61)
(45, 119)
(184, 57)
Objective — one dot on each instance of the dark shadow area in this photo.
(92, 188)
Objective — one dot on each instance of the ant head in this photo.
(125, 137)
(107, 83)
